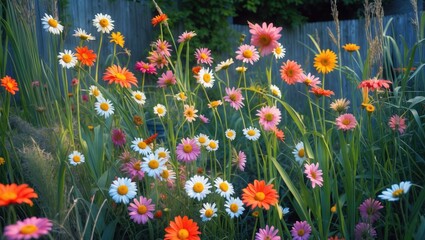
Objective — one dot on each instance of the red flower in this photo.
(182, 228)
(9, 84)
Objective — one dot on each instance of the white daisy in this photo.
(180, 96)
(202, 140)
(251, 133)
(162, 153)
(139, 97)
(103, 23)
(224, 64)
(197, 187)
(167, 175)
(160, 110)
(153, 166)
(51, 25)
(140, 146)
(275, 91)
(76, 158)
(67, 59)
(230, 134)
(122, 190)
(234, 207)
(206, 78)
(224, 188)
(279, 52)
(81, 33)
(212, 145)
(104, 107)
(396, 191)
(208, 211)
(241, 69)
(94, 91)
(299, 153)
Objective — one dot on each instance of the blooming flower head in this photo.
(29, 228)
(197, 187)
(309, 80)
(203, 55)
(251, 133)
(351, 47)
(346, 122)
(9, 84)
(103, 23)
(157, 60)
(212, 145)
(133, 169)
(247, 54)
(119, 75)
(396, 191)
(118, 137)
(85, 56)
(230, 134)
(162, 153)
(275, 91)
(267, 233)
(83, 35)
(375, 84)
(397, 123)
(140, 146)
(301, 230)
(369, 210)
(182, 228)
(104, 107)
(299, 153)
(206, 78)
(279, 134)
(159, 110)
(186, 36)
(16, 194)
(369, 107)
(163, 48)
(166, 79)
(143, 67)
(153, 165)
(139, 97)
(188, 150)
(269, 117)
(319, 92)
(234, 207)
(241, 69)
(51, 25)
(224, 188)
(117, 38)
(364, 231)
(2, 161)
(208, 211)
(215, 104)
(239, 160)
(190, 113)
(340, 105)
(291, 72)
(264, 37)
(122, 190)
(141, 210)
(202, 140)
(279, 51)
(181, 96)
(168, 175)
(314, 174)
(204, 119)
(161, 18)
(325, 61)
(67, 59)
(260, 195)
(234, 97)
(76, 158)
(223, 65)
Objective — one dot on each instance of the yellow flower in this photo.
(325, 61)
(2, 161)
(351, 47)
(117, 38)
(215, 104)
(369, 107)
(333, 209)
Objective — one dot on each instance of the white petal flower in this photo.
(123, 190)
(396, 191)
(197, 187)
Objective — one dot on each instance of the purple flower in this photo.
(267, 233)
(141, 210)
(301, 230)
(369, 210)
(118, 137)
(364, 231)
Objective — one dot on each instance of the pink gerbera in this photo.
(141, 210)
(186, 36)
(166, 79)
(269, 117)
(118, 137)
(163, 47)
(309, 80)
(234, 97)
(346, 122)
(158, 60)
(314, 174)
(203, 55)
(291, 72)
(204, 119)
(143, 67)
(301, 230)
(265, 37)
(375, 84)
(188, 150)
(133, 169)
(239, 159)
(28, 228)
(397, 123)
(267, 233)
(247, 54)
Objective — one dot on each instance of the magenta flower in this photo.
(188, 150)
(204, 119)
(157, 60)
(397, 123)
(267, 233)
(364, 231)
(141, 210)
(265, 37)
(314, 174)
(28, 228)
(234, 97)
(166, 79)
(163, 47)
(143, 67)
(133, 169)
(186, 36)
(118, 137)
(269, 117)
(369, 210)
(301, 230)
(203, 55)
(247, 54)
(346, 122)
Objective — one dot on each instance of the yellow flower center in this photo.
(187, 148)
(160, 110)
(301, 153)
(95, 92)
(76, 159)
(198, 187)
(8, 196)
(162, 154)
(66, 58)
(189, 113)
(233, 97)
(122, 190)
(234, 207)
(307, 81)
(202, 140)
(212, 145)
(259, 196)
(398, 192)
(247, 53)
(275, 92)
(278, 50)
(251, 132)
(104, 106)
(183, 234)
(182, 96)
(269, 117)
(142, 145)
(165, 174)
(138, 96)
(203, 56)
(265, 40)
(324, 61)
(142, 209)
(120, 76)
(346, 121)
(224, 187)
(153, 164)
(206, 77)
(313, 175)
(103, 22)
(52, 23)
(136, 166)
(230, 134)
(28, 229)
(333, 209)
(209, 213)
(300, 232)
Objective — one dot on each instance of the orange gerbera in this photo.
(182, 228)
(259, 194)
(322, 92)
(159, 19)
(10, 194)
(9, 84)
(85, 56)
(119, 75)
(291, 72)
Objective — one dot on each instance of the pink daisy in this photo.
(203, 55)
(239, 159)
(291, 72)
(346, 122)
(265, 37)
(166, 79)
(301, 230)
(133, 169)
(188, 150)
(157, 60)
(375, 84)
(186, 36)
(310, 80)
(143, 67)
(397, 123)
(204, 119)
(247, 54)
(118, 137)
(269, 117)
(267, 233)
(141, 210)
(163, 47)
(314, 174)
(369, 210)
(28, 228)
(234, 97)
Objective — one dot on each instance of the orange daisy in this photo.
(9, 84)
(85, 56)
(321, 92)
(259, 194)
(159, 19)
(182, 228)
(120, 75)
(291, 72)
(12, 193)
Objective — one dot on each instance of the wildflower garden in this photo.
(186, 144)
